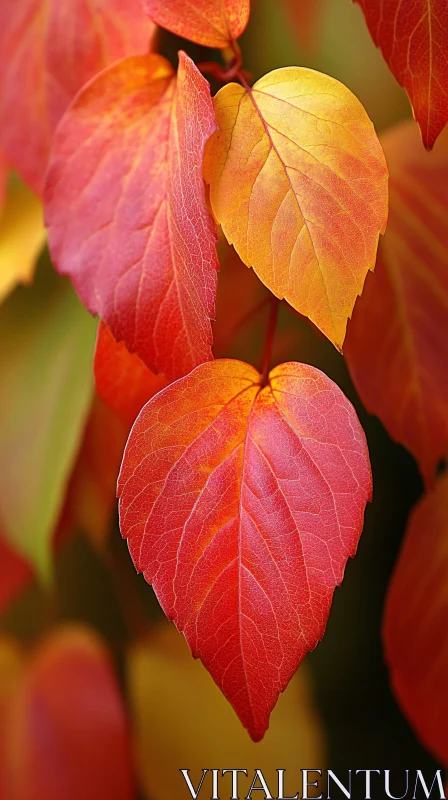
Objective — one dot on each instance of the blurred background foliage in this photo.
(181, 718)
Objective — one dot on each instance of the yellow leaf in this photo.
(22, 235)
(181, 720)
(298, 181)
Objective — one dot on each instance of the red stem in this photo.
(232, 69)
(269, 341)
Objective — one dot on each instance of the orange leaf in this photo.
(413, 38)
(299, 184)
(241, 504)
(22, 236)
(125, 204)
(123, 381)
(214, 23)
(91, 497)
(65, 733)
(124, 384)
(396, 347)
(49, 49)
(416, 621)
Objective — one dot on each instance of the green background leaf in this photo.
(46, 384)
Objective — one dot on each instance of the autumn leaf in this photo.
(123, 381)
(22, 236)
(16, 572)
(416, 620)
(65, 733)
(124, 384)
(180, 717)
(91, 496)
(46, 387)
(214, 23)
(394, 347)
(241, 504)
(125, 205)
(413, 38)
(49, 50)
(15, 575)
(298, 182)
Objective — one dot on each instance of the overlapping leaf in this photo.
(416, 622)
(22, 235)
(214, 23)
(91, 496)
(181, 717)
(125, 204)
(241, 505)
(46, 366)
(123, 381)
(396, 347)
(63, 730)
(299, 184)
(48, 51)
(413, 37)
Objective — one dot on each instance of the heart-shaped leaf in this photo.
(241, 504)
(298, 181)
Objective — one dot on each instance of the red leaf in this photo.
(241, 505)
(91, 496)
(413, 38)
(125, 204)
(49, 49)
(65, 734)
(123, 381)
(394, 347)
(15, 574)
(416, 621)
(214, 23)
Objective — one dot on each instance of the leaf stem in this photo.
(233, 61)
(269, 341)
